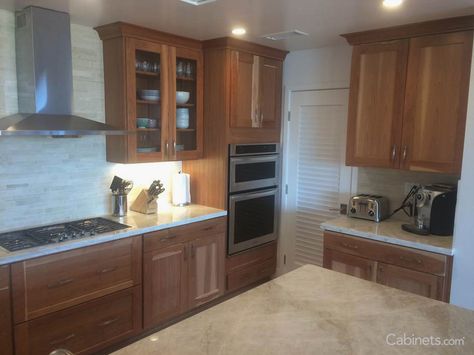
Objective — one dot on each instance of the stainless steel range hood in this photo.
(44, 75)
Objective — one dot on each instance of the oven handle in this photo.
(254, 194)
(250, 160)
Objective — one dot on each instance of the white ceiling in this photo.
(324, 20)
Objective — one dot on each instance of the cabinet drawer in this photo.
(6, 344)
(247, 275)
(391, 254)
(85, 328)
(55, 282)
(251, 257)
(183, 234)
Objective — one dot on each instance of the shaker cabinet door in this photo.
(349, 264)
(244, 90)
(376, 104)
(270, 93)
(416, 282)
(206, 269)
(6, 340)
(436, 102)
(164, 284)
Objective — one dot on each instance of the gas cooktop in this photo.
(57, 233)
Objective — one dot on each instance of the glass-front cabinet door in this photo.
(148, 100)
(186, 104)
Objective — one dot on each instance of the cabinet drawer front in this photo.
(55, 282)
(183, 234)
(390, 254)
(84, 328)
(251, 257)
(248, 275)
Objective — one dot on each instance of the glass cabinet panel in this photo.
(148, 101)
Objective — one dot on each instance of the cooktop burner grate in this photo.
(57, 233)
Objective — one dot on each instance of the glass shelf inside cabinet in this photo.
(148, 103)
(186, 95)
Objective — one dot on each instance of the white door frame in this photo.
(284, 245)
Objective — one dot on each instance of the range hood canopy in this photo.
(44, 77)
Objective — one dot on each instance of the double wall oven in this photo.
(254, 195)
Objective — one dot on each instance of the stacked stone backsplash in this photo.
(46, 180)
(391, 183)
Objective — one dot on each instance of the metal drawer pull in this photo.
(60, 283)
(208, 228)
(165, 239)
(350, 246)
(109, 322)
(405, 152)
(59, 341)
(394, 152)
(411, 260)
(110, 269)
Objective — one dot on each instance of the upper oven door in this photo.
(247, 173)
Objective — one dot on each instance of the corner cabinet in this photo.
(154, 90)
(408, 96)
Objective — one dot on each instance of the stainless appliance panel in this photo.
(253, 172)
(253, 219)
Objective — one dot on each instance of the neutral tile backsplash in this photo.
(391, 183)
(46, 180)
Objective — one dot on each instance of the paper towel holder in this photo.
(181, 197)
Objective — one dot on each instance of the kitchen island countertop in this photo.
(167, 217)
(316, 311)
(390, 231)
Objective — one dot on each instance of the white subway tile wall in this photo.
(391, 183)
(46, 180)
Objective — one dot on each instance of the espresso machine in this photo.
(435, 207)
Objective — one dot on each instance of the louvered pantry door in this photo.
(318, 180)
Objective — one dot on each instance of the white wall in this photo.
(45, 180)
(462, 290)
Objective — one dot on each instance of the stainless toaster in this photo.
(372, 207)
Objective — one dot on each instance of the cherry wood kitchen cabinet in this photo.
(183, 269)
(436, 102)
(6, 337)
(376, 104)
(137, 59)
(256, 87)
(51, 283)
(424, 273)
(85, 328)
(408, 96)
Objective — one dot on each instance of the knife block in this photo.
(143, 204)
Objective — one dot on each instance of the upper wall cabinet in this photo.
(255, 91)
(408, 96)
(244, 87)
(154, 89)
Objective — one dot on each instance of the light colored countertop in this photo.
(167, 217)
(315, 311)
(390, 231)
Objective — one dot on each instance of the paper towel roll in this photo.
(181, 189)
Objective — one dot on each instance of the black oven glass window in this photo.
(256, 149)
(255, 171)
(253, 218)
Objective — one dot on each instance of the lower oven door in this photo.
(253, 219)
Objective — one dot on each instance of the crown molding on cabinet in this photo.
(452, 24)
(244, 46)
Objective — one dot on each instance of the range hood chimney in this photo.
(44, 76)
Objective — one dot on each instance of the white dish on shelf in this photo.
(147, 150)
(149, 95)
(182, 97)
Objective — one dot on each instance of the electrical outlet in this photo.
(408, 186)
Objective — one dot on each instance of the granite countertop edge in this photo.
(386, 239)
(7, 257)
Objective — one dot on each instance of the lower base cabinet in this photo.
(85, 328)
(419, 272)
(183, 269)
(251, 266)
(6, 338)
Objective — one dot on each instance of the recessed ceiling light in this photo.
(392, 3)
(197, 2)
(239, 31)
